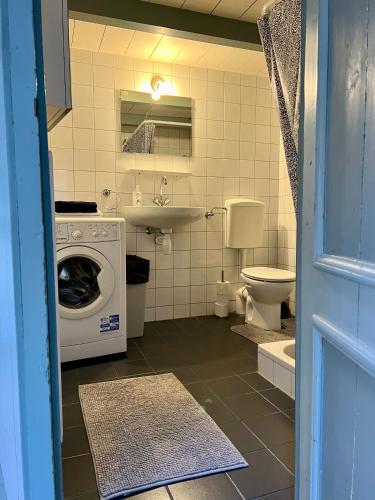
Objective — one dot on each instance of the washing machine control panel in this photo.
(87, 232)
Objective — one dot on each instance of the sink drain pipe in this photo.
(165, 241)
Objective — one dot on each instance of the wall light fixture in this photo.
(159, 86)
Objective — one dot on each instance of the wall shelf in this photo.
(153, 164)
(157, 172)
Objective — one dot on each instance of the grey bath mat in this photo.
(149, 431)
(260, 336)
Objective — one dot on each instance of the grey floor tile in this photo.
(210, 370)
(69, 393)
(279, 399)
(211, 404)
(96, 372)
(256, 381)
(245, 365)
(225, 368)
(242, 438)
(287, 494)
(69, 372)
(72, 415)
(264, 475)
(165, 326)
(79, 475)
(248, 406)
(150, 339)
(92, 495)
(222, 347)
(216, 487)
(188, 324)
(156, 494)
(285, 453)
(155, 350)
(69, 381)
(184, 374)
(272, 429)
(133, 352)
(75, 442)
(291, 414)
(165, 363)
(126, 368)
(200, 391)
(229, 386)
(219, 412)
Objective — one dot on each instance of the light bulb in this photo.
(160, 87)
(155, 95)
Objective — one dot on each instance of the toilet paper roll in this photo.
(223, 287)
(221, 310)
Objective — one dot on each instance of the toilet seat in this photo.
(269, 274)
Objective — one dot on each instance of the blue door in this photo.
(30, 455)
(336, 259)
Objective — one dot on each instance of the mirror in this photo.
(156, 127)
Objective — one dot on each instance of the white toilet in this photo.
(265, 287)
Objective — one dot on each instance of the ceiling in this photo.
(167, 49)
(246, 10)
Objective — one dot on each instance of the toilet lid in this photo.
(269, 274)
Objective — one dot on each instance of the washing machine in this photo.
(91, 286)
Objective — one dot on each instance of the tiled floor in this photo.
(218, 367)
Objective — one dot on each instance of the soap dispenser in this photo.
(137, 196)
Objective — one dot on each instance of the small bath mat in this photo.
(149, 431)
(258, 335)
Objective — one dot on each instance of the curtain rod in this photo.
(166, 123)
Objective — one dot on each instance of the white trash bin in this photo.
(137, 276)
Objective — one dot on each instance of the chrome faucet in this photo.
(159, 200)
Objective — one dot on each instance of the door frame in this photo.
(307, 157)
(30, 455)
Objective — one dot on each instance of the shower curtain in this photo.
(280, 32)
(141, 139)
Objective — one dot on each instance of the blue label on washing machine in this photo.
(110, 323)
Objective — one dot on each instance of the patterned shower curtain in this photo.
(280, 32)
(141, 139)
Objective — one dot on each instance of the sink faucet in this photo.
(159, 200)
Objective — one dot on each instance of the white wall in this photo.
(287, 225)
(235, 153)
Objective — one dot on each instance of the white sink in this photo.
(163, 218)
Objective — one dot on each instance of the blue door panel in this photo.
(339, 389)
(345, 125)
(340, 295)
(363, 467)
(336, 254)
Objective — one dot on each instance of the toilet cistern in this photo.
(244, 225)
(265, 288)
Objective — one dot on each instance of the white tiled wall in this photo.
(235, 153)
(287, 225)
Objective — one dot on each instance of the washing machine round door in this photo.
(86, 281)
